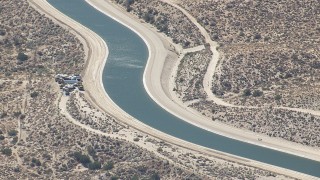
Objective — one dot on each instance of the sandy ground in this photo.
(97, 53)
(153, 75)
(214, 67)
(124, 134)
(278, 144)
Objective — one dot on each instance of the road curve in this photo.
(220, 128)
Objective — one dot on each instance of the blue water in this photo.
(122, 78)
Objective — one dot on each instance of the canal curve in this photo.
(122, 79)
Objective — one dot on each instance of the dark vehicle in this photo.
(60, 81)
(81, 88)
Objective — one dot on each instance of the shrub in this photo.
(257, 36)
(12, 132)
(108, 166)
(148, 17)
(14, 140)
(136, 139)
(247, 92)
(22, 116)
(266, 38)
(6, 151)
(186, 43)
(91, 151)
(34, 94)
(2, 32)
(1, 137)
(257, 93)
(83, 159)
(114, 178)
(315, 65)
(16, 169)
(128, 3)
(17, 113)
(288, 75)
(155, 176)
(36, 161)
(135, 177)
(7, 74)
(22, 57)
(163, 28)
(277, 97)
(213, 23)
(77, 155)
(3, 114)
(94, 166)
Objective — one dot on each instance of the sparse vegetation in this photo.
(108, 166)
(34, 94)
(277, 97)
(16, 113)
(49, 143)
(3, 114)
(264, 63)
(35, 161)
(82, 158)
(247, 92)
(22, 57)
(14, 140)
(191, 70)
(257, 93)
(166, 19)
(155, 176)
(2, 32)
(94, 165)
(12, 132)
(6, 151)
(114, 178)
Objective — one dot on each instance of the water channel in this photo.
(122, 79)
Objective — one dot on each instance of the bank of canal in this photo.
(122, 80)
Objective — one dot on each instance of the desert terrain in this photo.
(46, 135)
(268, 57)
(264, 79)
